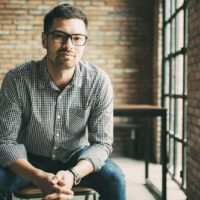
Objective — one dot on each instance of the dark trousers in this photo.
(108, 181)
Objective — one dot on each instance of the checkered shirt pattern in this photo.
(37, 117)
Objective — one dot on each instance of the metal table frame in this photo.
(149, 111)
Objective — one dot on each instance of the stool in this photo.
(32, 192)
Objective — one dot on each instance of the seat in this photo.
(32, 192)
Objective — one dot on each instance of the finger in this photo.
(61, 183)
(64, 190)
(54, 180)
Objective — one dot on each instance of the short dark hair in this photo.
(65, 11)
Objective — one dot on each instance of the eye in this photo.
(58, 36)
(77, 37)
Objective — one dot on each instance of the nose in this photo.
(68, 42)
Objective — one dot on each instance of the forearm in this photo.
(26, 170)
(84, 167)
(47, 182)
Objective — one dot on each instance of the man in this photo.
(50, 109)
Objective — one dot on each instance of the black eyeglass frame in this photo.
(67, 35)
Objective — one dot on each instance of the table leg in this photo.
(164, 158)
(147, 130)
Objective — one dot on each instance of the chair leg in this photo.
(9, 197)
(88, 195)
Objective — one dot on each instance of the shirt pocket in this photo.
(78, 118)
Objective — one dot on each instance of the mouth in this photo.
(66, 54)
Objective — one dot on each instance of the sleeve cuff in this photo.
(9, 154)
(96, 154)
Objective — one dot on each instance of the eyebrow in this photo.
(69, 33)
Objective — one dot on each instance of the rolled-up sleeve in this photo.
(10, 122)
(100, 125)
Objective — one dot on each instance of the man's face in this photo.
(64, 55)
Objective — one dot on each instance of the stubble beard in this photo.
(63, 64)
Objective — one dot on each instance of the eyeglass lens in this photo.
(77, 39)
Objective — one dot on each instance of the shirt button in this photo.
(60, 97)
(57, 135)
(53, 156)
(55, 147)
(58, 116)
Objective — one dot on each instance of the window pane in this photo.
(186, 27)
(171, 158)
(173, 6)
(172, 76)
(179, 3)
(166, 105)
(179, 30)
(166, 89)
(167, 40)
(173, 36)
(179, 120)
(178, 160)
(167, 10)
(185, 75)
(179, 75)
(184, 167)
(171, 116)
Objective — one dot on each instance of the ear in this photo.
(44, 40)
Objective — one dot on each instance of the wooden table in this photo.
(149, 111)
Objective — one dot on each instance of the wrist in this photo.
(76, 175)
(70, 175)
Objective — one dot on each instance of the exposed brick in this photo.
(4, 32)
(193, 122)
(24, 27)
(120, 41)
(113, 28)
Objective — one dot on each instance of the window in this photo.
(174, 87)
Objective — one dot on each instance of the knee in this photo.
(114, 175)
(117, 178)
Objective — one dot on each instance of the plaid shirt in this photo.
(37, 117)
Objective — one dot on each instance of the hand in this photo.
(63, 194)
(66, 178)
(63, 186)
(45, 181)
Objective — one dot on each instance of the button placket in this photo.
(58, 125)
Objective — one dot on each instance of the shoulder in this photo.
(93, 72)
(24, 71)
(23, 75)
(25, 68)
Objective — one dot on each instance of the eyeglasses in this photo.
(62, 37)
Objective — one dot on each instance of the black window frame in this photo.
(174, 63)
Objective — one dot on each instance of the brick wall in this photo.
(157, 62)
(120, 40)
(193, 124)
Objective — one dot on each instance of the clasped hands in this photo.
(57, 186)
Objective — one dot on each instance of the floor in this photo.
(136, 189)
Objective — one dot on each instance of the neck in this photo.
(61, 77)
